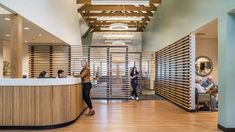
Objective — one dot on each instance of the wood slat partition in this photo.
(174, 73)
(109, 71)
(110, 66)
(49, 58)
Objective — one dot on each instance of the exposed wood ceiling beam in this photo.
(118, 14)
(92, 13)
(88, 7)
(146, 19)
(155, 1)
(89, 1)
(110, 22)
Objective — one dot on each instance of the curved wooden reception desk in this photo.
(39, 103)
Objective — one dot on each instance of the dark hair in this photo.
(42, 74)
(59, 72)
(132, 71)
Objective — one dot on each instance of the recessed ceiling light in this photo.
(26, 28)
(118, 43)
(40, 35)
(119, 26)
(115, 36)
(7, 35)
(26, 41)
(7, 19)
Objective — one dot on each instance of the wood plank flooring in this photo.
(142, 116)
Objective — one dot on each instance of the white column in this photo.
(193, 74)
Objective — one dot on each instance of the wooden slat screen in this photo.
(174, 73)
(109, 70)
(48, 58)
(108, 66)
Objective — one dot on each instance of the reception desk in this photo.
(40, 103)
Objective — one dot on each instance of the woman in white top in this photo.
(199, 87)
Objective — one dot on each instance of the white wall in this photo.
(59, 17)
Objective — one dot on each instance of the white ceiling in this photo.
(31, 35)
(209, 30)
(3, 11)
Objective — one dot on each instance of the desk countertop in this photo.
(39, 81)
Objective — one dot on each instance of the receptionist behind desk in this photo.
(60, 74)
(43, 74)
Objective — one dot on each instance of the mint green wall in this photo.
(227, 71)
(87, 40)
(177, 18)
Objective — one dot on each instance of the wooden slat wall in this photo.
(104, 66)
(174, 65)
(50, 59)
(112, 63)
(40, 105)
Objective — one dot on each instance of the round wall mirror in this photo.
(203, 66)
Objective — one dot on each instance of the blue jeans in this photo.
(213, 102)
(86, 94)
(134, 87)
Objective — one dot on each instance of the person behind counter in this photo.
(60, 74)
(43, 74)
(86, 83)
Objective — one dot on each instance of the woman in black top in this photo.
(134, 83)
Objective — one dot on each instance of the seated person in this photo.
(205, 90)
(208, 83)
(60, 74)
(43, 74)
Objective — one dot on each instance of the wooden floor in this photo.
(142, 116)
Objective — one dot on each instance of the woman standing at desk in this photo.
(86, 83)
